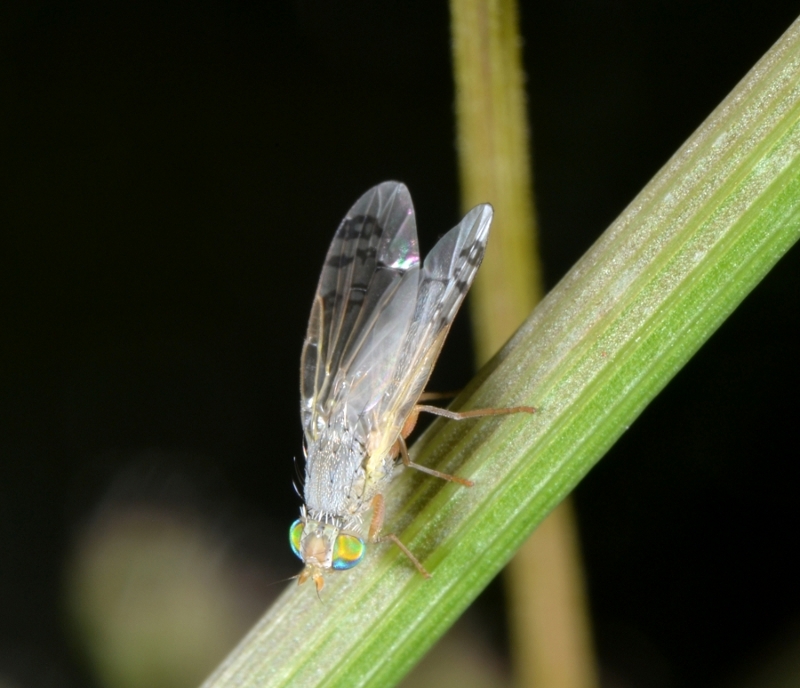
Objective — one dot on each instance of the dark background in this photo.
(170, 177)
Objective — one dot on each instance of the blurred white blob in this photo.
(156, 600)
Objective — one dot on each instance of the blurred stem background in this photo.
(549, 622)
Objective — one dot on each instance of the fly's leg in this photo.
(401, 448)
(378, 510)
(473, 413)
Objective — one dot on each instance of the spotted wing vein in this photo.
(363, 307)
(446, 276)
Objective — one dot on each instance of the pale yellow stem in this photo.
(550, 631)
(495, 166)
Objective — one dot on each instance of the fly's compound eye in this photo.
(295, 533)
(349, 551)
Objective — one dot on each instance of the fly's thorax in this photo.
(326, 543)
(335, 474)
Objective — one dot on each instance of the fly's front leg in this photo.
(378, 509)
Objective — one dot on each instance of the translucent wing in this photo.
(364, 305)
(444, 280)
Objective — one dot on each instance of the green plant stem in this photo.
(608, 338)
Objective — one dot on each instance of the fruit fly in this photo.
(378, 322)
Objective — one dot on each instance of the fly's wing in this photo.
(444, 280)
(363, 307)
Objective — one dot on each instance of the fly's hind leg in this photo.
(378, 509)
(472, 413)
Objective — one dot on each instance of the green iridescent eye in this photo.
(295, 533)
(349, 551)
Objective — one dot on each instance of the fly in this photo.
(378, 322)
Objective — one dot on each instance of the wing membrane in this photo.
(363, 306)
(445, 278)
(379, 319)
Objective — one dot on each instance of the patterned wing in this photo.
(364, 304)
(444, 280)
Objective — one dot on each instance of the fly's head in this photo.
(322, 546)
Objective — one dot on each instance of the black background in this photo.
(170, 177)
